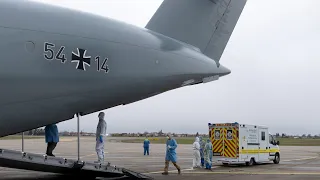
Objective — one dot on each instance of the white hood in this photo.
(196, 144)
(197, 139)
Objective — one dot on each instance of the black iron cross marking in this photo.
(81, 58)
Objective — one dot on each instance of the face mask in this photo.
(167, 137)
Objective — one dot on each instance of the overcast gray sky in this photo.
(274, 58)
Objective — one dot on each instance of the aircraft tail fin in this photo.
(206, 24)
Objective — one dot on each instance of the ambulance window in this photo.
(263, 136)
(229, 134)
(217, 134)
(271, 139)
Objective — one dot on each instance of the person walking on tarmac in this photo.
(196, 153)
(52, 138)
(202, 144)
(171, 154)
(146, 144)
(208, 154)
(100, 133)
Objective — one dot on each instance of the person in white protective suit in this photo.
(100, 134)
(196, 153)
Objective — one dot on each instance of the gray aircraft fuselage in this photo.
(55, 62)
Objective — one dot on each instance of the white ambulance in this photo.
(235, 143)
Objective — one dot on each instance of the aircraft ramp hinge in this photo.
(64, 161)
(45, 157)
(98, 167)
(78, 165)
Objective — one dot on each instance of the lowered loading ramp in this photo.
(43, 163)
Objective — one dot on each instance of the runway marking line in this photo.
(91, 155)
(190, 169)
(255, 173)
(156, 172)
(300, 159)
(67, 140)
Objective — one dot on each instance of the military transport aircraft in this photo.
(56, 62)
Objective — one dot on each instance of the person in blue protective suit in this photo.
(202, 144)
(146, 144)
(171, 154)
(208, 154)
(52, 138)
(100, 134)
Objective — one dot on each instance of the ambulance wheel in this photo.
(225, 164)
(276, 158)
(250, 163)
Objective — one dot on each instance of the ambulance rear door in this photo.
(216, 136)
(230, 141)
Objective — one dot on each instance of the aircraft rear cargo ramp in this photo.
(44, 163)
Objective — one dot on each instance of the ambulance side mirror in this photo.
(278, 142)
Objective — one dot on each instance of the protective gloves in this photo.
(101, 139)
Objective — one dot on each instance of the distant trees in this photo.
(309, 136)
(41, 132)
(30, 133)
(34, 132)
